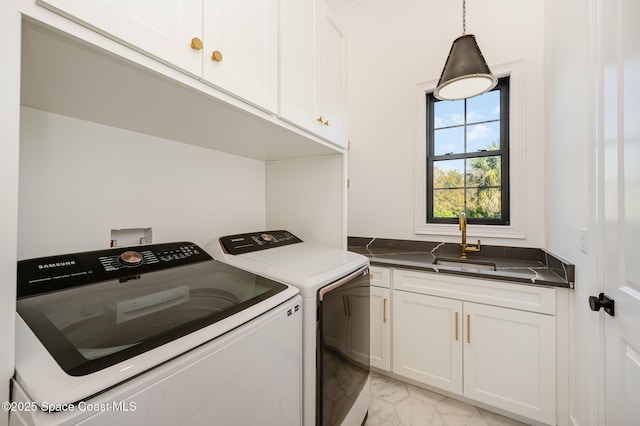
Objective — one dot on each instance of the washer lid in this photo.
(84, 338)
(91, 327)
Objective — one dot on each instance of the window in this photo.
(468, 158)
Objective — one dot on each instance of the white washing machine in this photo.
(334, 285)
(158, 334)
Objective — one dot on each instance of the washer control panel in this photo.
(114, 260)
(254, 241)
(53, 273)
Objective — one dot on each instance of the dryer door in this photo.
(343, 346)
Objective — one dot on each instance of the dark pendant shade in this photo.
(465, 73)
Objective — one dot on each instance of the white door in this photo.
(163, 30)
(620, 144)
(245, 36)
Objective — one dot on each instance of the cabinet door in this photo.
(244, 33)
(333, 83)
(427, 339)
(163, 30)
(509, 360)
(380, 328)
(300, 64)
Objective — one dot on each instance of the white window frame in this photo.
(517, 162)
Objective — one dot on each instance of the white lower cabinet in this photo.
(380, 313)
(509, 360)
(427, 340)
(380, 318)
(488, 341)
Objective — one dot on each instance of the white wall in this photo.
(393, 46)
(306, 197)
(570, 46)
(78, 180)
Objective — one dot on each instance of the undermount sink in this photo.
(465, 263)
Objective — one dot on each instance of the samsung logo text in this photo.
(57, 264)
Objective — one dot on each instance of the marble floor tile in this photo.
(382, 413)
(395, 403)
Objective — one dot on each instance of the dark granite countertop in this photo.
(531, 266)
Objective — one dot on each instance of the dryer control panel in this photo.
(254, 241)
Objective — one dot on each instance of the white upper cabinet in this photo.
(163, 30)
(241, 49)
(232, 45)
(312, 70)
(333, 83)
(300, 64)
(285, 57)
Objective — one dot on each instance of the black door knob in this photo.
(602, 301)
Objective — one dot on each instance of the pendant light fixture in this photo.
(465, 72)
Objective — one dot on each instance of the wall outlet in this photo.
(584, 240)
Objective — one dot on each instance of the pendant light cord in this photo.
(464, 17)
